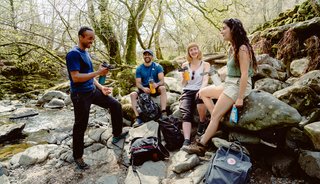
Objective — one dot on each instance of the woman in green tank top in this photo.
(237, 86)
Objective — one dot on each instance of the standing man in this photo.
(85, 90)
(147, 71)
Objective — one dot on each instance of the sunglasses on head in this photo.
(192, 77)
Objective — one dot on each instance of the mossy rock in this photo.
(168, 66)
(126, 81)
(128, 112)
(9, 150)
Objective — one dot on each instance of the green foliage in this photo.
(299, 13)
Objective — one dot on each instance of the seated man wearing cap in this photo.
(149, 70)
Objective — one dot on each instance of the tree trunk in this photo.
(134, 23)
(157, 37)
(104, 30)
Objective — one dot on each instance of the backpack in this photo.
(170, 128)
(150, 148)
(229, 166)
(147, 108)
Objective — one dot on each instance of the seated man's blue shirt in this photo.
(79, 60)
(146, 73)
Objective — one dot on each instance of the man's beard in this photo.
(147, 60)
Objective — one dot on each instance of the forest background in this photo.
(35, 35)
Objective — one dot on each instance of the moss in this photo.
(9, 150)
(126, 81)
(168, 66)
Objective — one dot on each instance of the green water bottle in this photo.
(102, 79)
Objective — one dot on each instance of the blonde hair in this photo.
(189, 58)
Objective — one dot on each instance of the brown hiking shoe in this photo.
(196, 148)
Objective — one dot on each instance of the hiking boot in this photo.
(201, 128)
(196, 148)
(118, 138)
(81, 164)
(185, 145)
(138, 123)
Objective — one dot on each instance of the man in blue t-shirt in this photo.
(85, 90)
(147, 71)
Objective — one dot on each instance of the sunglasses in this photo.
(192, 77)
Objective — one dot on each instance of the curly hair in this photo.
(239, 37)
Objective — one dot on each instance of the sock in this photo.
(164, 112)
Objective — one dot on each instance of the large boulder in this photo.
(311, 79)
(261, 110)
(300, 97)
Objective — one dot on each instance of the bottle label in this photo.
(234, 115)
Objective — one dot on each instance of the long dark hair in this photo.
(239, 37)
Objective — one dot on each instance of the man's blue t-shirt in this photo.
(79, 60)
(150, 72)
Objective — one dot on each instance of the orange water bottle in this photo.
(186, 75)
(152, 89)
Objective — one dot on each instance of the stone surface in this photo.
(313, 131)
(23, 112)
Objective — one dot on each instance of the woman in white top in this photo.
(240, 66)
(189, 100)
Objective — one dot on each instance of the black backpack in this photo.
(171, 131)
(147, 108)
(147, 148)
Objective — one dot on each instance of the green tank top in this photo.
(234, 71)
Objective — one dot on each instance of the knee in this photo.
(134, 95)
(201, 93)
(162, 89)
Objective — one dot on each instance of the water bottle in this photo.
(186, 75)
(234, 115)
(102, 79)
(152, 89)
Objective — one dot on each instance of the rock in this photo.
(299, 97)
(96, 133)
(313, 131)
(108, 179)
(186, 165)
(23, 112)
(7, 108)
(266, 71)
(11, 131)
(173, 85)
(51, 95)
(55, 103)
(312, 115)
(297, 139)
(32, 155)
(299, 66)
(149, 172)
(262, 110)
(310, 162)
(311, 79)
(283, 165)
(4, 179)
(266, 59)
(244, 138)
(269, 85)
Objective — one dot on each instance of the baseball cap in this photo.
(149, 51)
